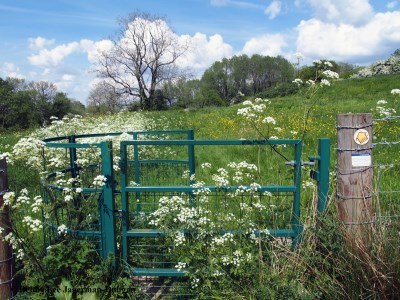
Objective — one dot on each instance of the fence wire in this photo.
(386, 142)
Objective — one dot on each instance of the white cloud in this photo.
(11, 70)
(68, 77)
(40, 43)
(355, 12)
(94, 49)
(268, 44)
(273, 9)
(346, 42)
(204, 51)
(55, 56)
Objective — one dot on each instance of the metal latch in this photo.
(303, 163)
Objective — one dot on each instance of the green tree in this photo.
(240, 73)
(61, 105)
(6, 92)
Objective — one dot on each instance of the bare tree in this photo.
(43, 93)
(104, 95)
(144, 55)
(44, 90)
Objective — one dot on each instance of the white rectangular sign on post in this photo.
(361, 160)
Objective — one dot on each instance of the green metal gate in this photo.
(151, 167)
(142, 244)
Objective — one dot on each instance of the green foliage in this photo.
(24, 105)
(325, 266)
(314, 72)
(280, 90)
(226, 81)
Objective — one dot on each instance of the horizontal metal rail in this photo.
(212, 188)
(90, 135)
(209, 142)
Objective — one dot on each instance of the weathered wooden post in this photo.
(354, 173)
(6, 258)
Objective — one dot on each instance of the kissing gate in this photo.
(117, 211)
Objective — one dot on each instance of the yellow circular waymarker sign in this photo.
(361, 136)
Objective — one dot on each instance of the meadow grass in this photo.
(325, 265)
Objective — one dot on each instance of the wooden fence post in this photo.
(354, 173)
(6, 257)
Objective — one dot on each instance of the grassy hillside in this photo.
(324, 266)
(344, 96)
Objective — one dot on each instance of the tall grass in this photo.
(329, 263)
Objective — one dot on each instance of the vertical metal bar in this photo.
(296, 196)
(324, 153)
(137, 169)
(192, 163)
(72, 156)
(124, 200)
(108, 206)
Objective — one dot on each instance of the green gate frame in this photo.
(108, 213)
(321, 175)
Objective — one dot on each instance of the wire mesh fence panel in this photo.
(386, 166)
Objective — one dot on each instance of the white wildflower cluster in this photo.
(23, 198)
(56, 162)
(243, 171)
(325, 82)
(308, 184)
(269, 120)
(236, 259)
(221, 240)
(310, 82)
(62, 229)
(167, 206)
(194, 283)
(221, 178)
(8, 198)
(68, 195)
(186, 174)
(180, 266)
(259, 206)
(30, 151)
(32, 224)
(99, 181)
(206, 165)
(298, 81)
(395, 92)
(253, 110)
(16, 245)
(259, 236)
(82, 162)
(330, 74)
(324, 71)
(179, 238)
(37, 204)
(384, 111)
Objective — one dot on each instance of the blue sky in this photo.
(54, 40)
